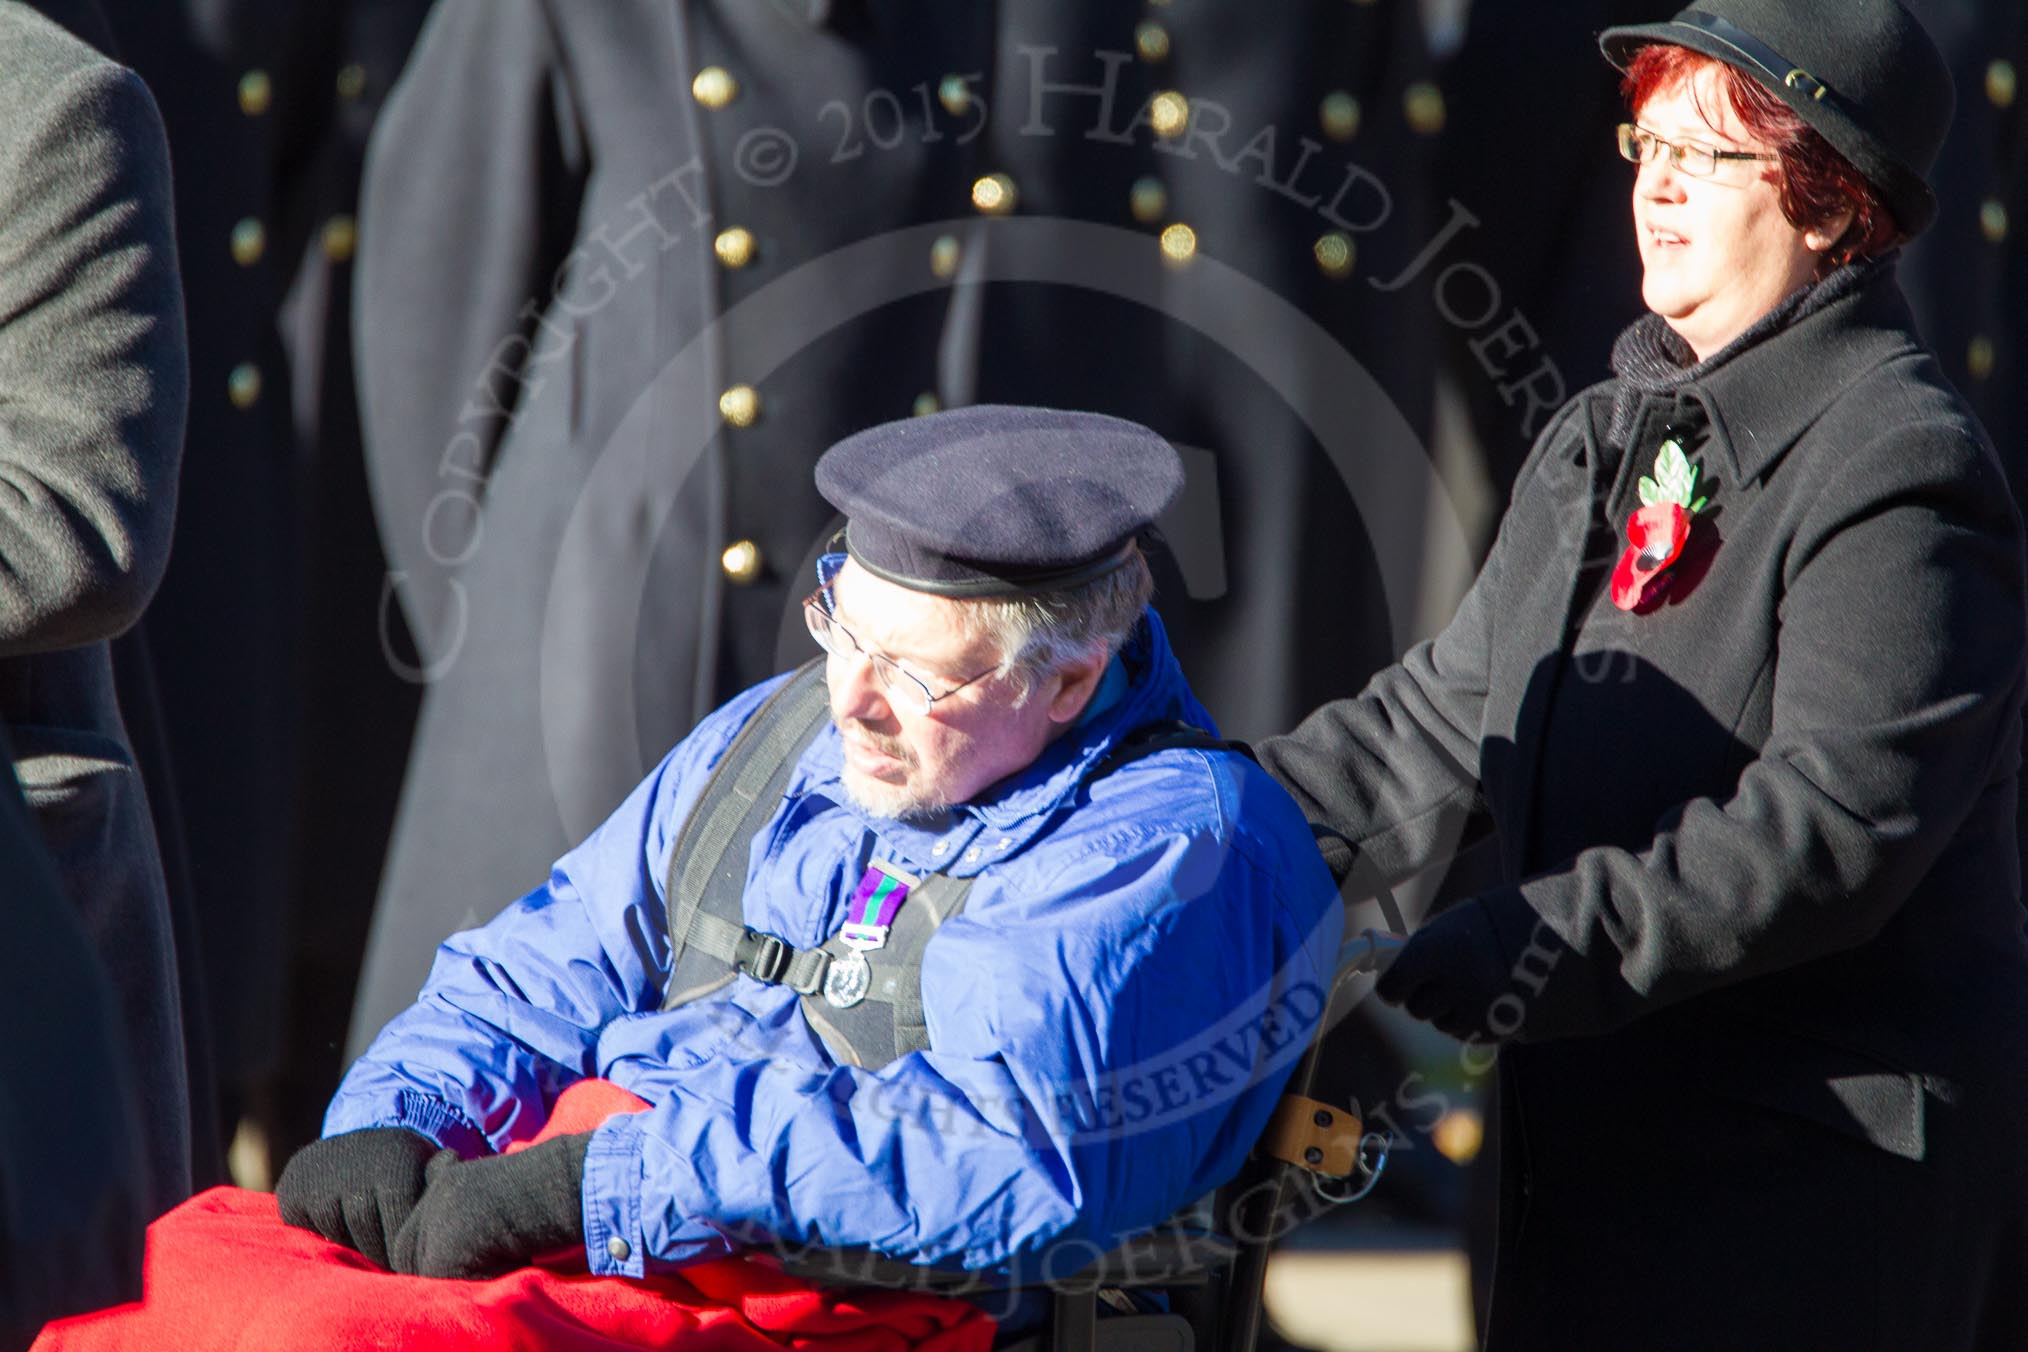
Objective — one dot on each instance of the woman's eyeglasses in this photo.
(1639, 146)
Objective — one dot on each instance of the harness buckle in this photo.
(769, 957)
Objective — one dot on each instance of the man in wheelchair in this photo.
(965, 946)
(998, 955)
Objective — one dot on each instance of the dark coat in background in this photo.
(1761, 899)
(285, 725)
(1553, 196)
(573, 246)
(72, 1184)
(92, 358)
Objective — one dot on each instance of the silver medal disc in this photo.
(847, 980)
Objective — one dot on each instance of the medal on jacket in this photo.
(868, 917)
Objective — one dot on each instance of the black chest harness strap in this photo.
(710, 943)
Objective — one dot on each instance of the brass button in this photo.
(734, 247)
(741, 562)
(2000, 84)
(740, 405)
(1338, 114)
(351, 82)
(256, 93)
(1335, 254)
(1169, 114)
(925, 404)
(249, 242)
(619, 1249)
(714, 87)
(243, 386)
(994, 194)
(1151, 40)
(1979, 358)
(340, 238)
(1179, 244)
(1993, 219)
(954, 94)
(1148, 200)
(1424, 104)
(945, 255)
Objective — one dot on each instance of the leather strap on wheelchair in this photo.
(1313, 1135)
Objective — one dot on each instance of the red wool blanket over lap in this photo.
(224, 1272)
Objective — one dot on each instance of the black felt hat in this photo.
(1863, 73)
(997, 501)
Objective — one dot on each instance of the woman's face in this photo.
(1717, 252)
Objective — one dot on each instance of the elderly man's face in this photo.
(900, 762)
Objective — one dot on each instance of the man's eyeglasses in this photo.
(902, 685)
(1638, 146)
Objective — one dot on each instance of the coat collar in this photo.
(1759, 403)
(1007, 815)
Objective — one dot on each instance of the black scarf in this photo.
(1652, 358)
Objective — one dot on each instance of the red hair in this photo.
(1818, 185)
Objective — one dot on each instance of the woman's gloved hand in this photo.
(480, 1218)
(357, 1188)
(1450, 972)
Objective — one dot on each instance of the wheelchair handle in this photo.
(1370, 950)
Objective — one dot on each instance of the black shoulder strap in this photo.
(1162, 735)
(711, 850)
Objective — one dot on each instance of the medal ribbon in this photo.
(878, 898)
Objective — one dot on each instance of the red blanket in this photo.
(224, 1272)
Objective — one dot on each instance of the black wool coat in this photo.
(1766, 998)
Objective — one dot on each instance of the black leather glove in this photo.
(356, 1189)
(1449, 974)
(480, 1218)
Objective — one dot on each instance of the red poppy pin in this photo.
(1656, 532)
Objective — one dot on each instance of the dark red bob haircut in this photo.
(1818, 185)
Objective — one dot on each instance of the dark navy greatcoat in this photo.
(627, 269)
(1761, 916)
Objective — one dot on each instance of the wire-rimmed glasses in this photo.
(901, 685)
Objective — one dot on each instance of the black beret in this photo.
(994, 500)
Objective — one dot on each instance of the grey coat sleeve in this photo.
(1898, 683)
(473, 178)
(1394, 770)
(94, 374)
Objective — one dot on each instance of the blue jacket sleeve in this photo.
(1107, 1041)
(511, 1013)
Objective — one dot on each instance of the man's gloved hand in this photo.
(480, 1218)
(1450, 972)
(356, 1189)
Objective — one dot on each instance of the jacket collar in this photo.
(1003, 818)
(1762, 400)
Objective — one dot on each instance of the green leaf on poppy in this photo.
(1697, 506)
(1648, 490)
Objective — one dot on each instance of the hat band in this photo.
(1776, 66)
(1011, 583)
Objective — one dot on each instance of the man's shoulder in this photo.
(1213, 794)
(37, 57)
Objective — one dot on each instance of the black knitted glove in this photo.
(356, 1189)
(480, 1218)
(1450, 972)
